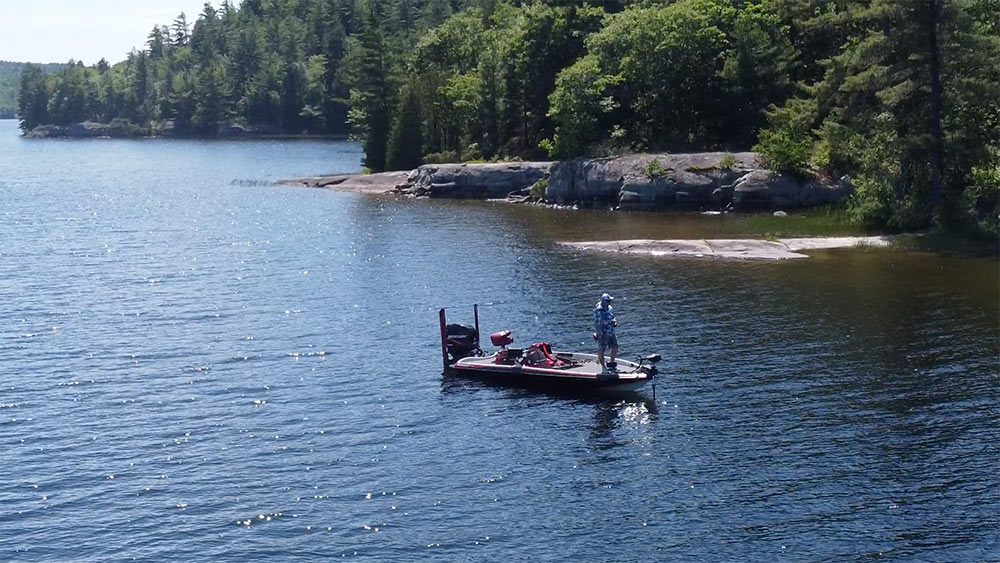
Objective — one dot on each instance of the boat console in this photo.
(539, 354)
(506, 355)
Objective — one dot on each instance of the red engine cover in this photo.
(502, 338)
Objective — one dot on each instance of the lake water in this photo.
(196, 364)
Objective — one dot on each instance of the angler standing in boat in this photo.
(604, 333)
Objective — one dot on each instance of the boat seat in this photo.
(508, 356)
(540, 354)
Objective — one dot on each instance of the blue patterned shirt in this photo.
(604, 320)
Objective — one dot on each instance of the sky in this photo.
(54, 31)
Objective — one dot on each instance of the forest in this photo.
(10, 76)
(901, 96)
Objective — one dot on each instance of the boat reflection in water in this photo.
(613, 409)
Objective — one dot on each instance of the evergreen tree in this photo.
(179, 31)
(182, 102)
(435, 13)
(67, 103)
(263, 98)
(293, 90)
(32, 98)
(156, 42)
(334, 89)
(756, 72)
(247, 55)
(910, 106)
(817, 30)
(491, 94)
(210, 94)
(137, 89)
(206, 40)
(405, 151)
(371, 99)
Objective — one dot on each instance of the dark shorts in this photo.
(606, 340)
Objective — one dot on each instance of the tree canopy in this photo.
(900, 96)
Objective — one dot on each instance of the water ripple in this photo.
(198, 365)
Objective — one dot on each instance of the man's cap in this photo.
(606, 297)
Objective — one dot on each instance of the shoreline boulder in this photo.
(698, 181)
(648, 181)
(118, 128)
(492, 180)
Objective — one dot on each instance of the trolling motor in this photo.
(648, 365)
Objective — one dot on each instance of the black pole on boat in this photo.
(475, 313)
(444, 339)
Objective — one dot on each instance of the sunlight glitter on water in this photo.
(830, 392)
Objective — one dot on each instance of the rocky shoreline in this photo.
(88, 130)
(647, 182)
(373, 184)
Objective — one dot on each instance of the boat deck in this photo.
(579, 368)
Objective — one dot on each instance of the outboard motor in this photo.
(463, 341)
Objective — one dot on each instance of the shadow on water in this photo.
(451, 383)
(612, 409)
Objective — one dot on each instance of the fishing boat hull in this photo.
(576, 371)
(537, 365)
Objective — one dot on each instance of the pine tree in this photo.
(404, 150)
(435, 12)
(179, 31)
(32, 98)
(335, 91)
(67, 103)
(155, 42)
(371, 99)
(210, 95)
(918, 73)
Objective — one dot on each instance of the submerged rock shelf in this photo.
(383, 182)
(733, 249)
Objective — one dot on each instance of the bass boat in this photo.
(538, 364)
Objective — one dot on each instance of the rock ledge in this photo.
(648, 182)
(740, 249)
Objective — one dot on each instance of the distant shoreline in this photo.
(288, 137)
(127, 130)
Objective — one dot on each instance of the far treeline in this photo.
(901, 95)
(10, 75)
